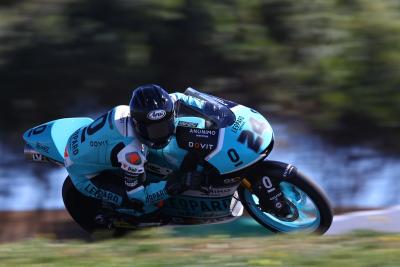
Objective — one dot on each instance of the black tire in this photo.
(299, 180)
(81, 208)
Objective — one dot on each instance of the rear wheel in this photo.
(310, 208)
(85, 209)
(81, 208)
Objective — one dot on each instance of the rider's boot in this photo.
(102, 221)
(105, 215)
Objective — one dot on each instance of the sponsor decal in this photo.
(42, 147)
(157, 114)
(156, 197)
(133, 158)
(203, 133)
(198, 207)
(232, 180)
(201, 146)
(102, 194)
(238, 125)
(202, 141)
(221, 191)
(98, 143)
(37, 157)
(74, 143)
(187, 124)
(213, 192)
(130, 169)
(131, 181)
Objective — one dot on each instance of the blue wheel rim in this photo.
(309, 215)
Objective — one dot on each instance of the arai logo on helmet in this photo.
(157, 114)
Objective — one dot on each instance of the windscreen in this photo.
(214, 110)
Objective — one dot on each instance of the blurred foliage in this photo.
(332, 63)
(159, 248)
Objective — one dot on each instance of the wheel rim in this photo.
(309, 215)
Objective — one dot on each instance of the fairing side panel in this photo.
(50, 139)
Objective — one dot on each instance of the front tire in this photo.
(315, 212)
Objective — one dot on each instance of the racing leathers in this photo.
(110, 143)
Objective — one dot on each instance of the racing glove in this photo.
(132, 181)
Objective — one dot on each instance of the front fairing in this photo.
(243, 142)
(246, 141)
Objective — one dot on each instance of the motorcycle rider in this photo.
(119, 140)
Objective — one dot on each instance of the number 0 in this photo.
(233, 155)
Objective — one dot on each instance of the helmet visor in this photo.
(157, 134)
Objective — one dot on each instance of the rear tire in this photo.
(300, 181)
(81, 208)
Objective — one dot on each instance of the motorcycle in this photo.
(232, 142)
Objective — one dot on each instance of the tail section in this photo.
(47, 141)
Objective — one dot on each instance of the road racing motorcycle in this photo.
(233, 142)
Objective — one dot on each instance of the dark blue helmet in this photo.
(152, 115)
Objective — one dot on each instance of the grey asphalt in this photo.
(387, 220)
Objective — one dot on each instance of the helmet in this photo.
(152, 115)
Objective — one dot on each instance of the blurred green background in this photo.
(331, 67)
(332, 64)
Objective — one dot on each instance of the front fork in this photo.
(276, 169)
(267, 189)
(268, 192)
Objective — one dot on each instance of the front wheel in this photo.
(309, 205)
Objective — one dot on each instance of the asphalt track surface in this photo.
(387, 220)
(58, 225)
